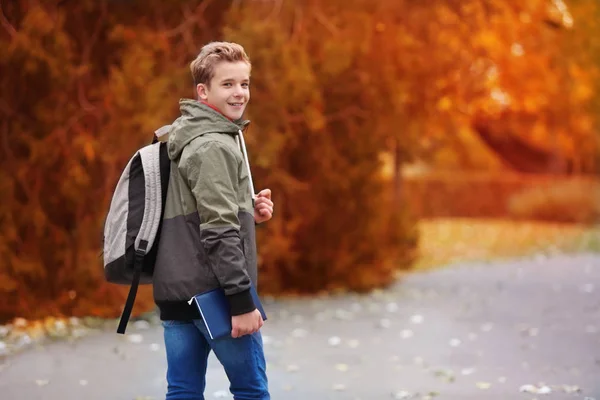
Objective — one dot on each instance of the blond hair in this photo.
(203, 67)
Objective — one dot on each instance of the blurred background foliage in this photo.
(369, 118)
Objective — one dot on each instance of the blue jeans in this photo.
(188, 345)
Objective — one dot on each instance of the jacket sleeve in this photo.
(212, 175)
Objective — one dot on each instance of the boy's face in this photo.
(229, 89)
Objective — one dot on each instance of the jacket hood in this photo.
(198, 119)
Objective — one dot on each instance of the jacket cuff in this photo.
(241, 303)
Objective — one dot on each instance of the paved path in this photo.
(472, 331)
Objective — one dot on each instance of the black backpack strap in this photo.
(138, 264)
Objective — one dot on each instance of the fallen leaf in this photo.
(544, 390)
(220, 394)
(79, 332)
(334, 341)
(402, 395)
(141, 325)
(343, 315)
(292, 368)
(385, 323)
(299, 333)
(391, 307)
(406, 333)
(154, 347)
(445, 375)
(570, 389)
(528, 389)
(339, 387)
(135, 338)
(341, 367)
(19, 323)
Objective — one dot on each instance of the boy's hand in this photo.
(263, 206)
(246, 324)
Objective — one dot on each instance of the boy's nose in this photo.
(239, 91)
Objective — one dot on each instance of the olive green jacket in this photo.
(207, 236)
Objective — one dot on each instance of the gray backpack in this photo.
(132, 226)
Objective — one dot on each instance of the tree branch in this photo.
(200, 14)
(85, 104)
(276, 9)
(6, 24)
(190, 17)
(160, 19)
(87, 51)
(297, 23)
(189, 41)
(8, 154)
(326, 23)
(352, 111)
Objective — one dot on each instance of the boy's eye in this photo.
(227, 84)
(245, 85)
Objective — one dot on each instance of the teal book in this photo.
(214, 309)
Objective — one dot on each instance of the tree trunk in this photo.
(521, 156)
(398, 187)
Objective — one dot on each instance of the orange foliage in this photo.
(336, 84)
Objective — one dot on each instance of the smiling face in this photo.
(229, 88)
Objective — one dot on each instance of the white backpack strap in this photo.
(242, 145)
(162, 133)
(153, 200)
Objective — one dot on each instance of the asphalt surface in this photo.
(472, 331)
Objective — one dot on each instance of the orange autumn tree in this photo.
(84, 84)
(315, 141)
(540, 80)
(480, 82)
(49, 219)
(337, 85)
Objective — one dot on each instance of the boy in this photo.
(208, 237)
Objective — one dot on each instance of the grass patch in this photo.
(447, 241)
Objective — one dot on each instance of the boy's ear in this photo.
(202, 91)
